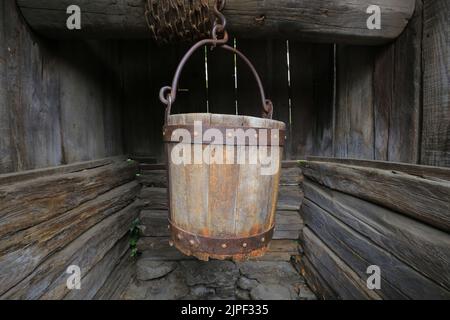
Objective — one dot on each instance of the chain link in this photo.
(178, 20)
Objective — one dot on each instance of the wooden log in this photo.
(398, 281)
(426, 172)
(337, 274)
(26, 250)
(154, 198)
(49, 278)
(118, 281)
(99, 274)
(421, 199)
(16, 177)
(331, 21)
(315, 281)
(28, 203)
(425, 249)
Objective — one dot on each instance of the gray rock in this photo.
(242, 294)
(214, 273)
(274, 272)
(246, 283)
(149, 270)
(202, 292)
(171, 287)
(272, 292)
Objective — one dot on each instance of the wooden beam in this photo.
(342, 21)
(425, 249)
(422, 199)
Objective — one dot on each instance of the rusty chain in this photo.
(179, 20)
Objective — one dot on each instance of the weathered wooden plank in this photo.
(277, 85)
(118, 280)
(354, 125)
(153, 178)
(315, 281)
(26, 203)
(334, 21)
(312, 99)
(15, 177)
(99, 274)
(421, 199)
(337, 274)
(425, 249)
(405, 113)
(24, 251)
(140, 138)
(383, 90)
(154, 223)
(398, 281)
(426, 172)
(289, 198)
(154, 198)
(88, 251)
(436, 69)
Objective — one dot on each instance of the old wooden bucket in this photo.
(221, 203)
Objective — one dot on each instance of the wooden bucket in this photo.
(222, 192)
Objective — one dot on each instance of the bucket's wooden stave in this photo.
(222, 210)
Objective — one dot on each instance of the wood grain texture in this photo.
(354, 125)
(59, 102)
(22, 253)
(436, 73)
(48, 280)
(311, 94)
(333, 21)
(26, 204)
(422, 199)
(425, 249)
(337, 274)
(399, 280)
(426, 172)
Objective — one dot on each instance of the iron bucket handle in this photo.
(169, 99)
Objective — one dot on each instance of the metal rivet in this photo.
(191, 242)
(263, 239)
(171, 243)
(224, 245)
(244, 245)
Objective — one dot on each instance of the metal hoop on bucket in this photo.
(168, 95)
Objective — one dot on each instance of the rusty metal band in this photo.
(277, 136)
(194, 243)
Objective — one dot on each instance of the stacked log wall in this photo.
(362, 213)
(51, 219)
